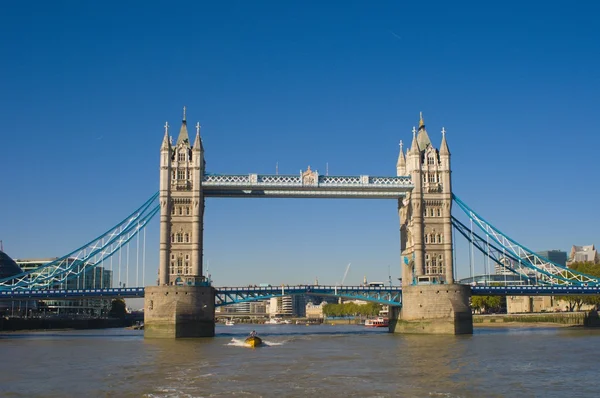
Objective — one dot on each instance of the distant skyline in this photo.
(87, 88)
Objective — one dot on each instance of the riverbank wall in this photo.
(583, 318)
(15, 324)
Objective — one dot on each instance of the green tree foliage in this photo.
(488, 303)
(576, 301)
(118, 309)
(351, 309)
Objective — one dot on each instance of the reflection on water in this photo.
(299, 361)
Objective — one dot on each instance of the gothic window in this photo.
(424, 178)
(439, 212)
(181, 156)
(179, 237)
(441, 264)
(434, 269)
(187, 210)
(430, 159)
(180, 210)
(426, 238)
(431, 212)
(187, 256)
(181, 174)
(173, 174)
(441, 238)
(189, 175)
(187, 267)
(172, 257)
(172, 238)
(187, 238)
(427, 264)
(172, 209)
(179, 265)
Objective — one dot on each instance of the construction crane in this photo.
(345, 274)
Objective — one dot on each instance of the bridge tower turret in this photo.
(182, 305)
(431, 302)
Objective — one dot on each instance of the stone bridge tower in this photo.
(431, 302)
(182, 305)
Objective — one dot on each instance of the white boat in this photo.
(274, 321)
(229, 322)
(379, 322)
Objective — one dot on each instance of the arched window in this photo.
(180, 210)
(426, 238)
(187, 210)
(438, 238)
(187, 238)
(441, 238)
(179, 237)
(439, 212)
(172, 238)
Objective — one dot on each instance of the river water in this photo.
(302, 361)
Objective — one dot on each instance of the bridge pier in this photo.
(433, 309)
(179, 311)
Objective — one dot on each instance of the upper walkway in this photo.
(307, 184)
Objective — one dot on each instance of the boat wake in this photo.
(265, 343)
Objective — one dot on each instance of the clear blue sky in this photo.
(87, 87)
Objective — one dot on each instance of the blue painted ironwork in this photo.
(546, 271)
(231, 295)
(126, 292)
(533, 290)
(494, 253)
(382, 295)
(81, 260)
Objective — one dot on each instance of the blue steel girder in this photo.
(53, 274)
(534, 290)
(382, 295)
(489, 249)
(546, 271)
(307, 184)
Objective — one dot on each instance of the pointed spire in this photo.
(166, 143)
(183, 133)
(444, 145)
(198, 141)
(401, 164)
(414, 146)
(421, 121)
(422, 137)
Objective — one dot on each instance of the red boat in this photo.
(379, 322)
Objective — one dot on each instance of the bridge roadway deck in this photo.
(239, 294)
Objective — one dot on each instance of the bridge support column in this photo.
(434, 309)
(179, 311)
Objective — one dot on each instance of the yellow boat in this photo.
(253, 341)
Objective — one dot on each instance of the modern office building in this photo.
(556, 256)
(91, 278)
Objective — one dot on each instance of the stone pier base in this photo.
(434, 309)
(179, 311)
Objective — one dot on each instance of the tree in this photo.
(488, 303)
(576, 301)
(118, 309)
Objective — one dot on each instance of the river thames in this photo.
(302, 361)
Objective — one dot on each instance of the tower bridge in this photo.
(184, 300)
